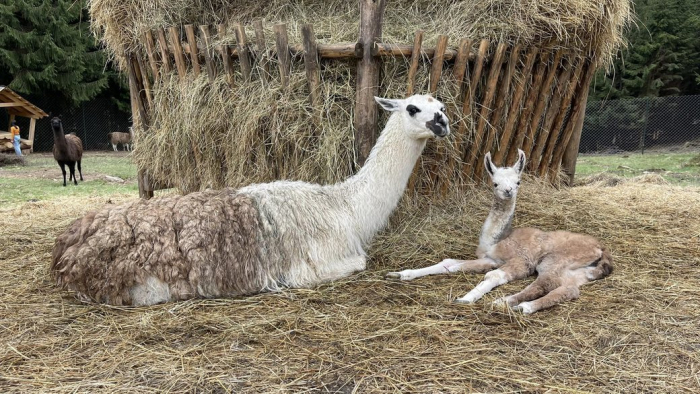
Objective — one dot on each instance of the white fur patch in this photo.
(154, 291)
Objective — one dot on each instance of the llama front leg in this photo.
(114, 146)
(556, 296)
(71, 166)
(445, 267)
(494, 279)
(63, 170)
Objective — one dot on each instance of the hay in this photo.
(636, 331)
(11, 160)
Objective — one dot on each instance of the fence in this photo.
(632, 137)
(91, 121)
(640, 124)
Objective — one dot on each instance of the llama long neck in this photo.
(374, 192)
(498, 223)
(59, 139)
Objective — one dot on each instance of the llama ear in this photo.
(520, 164)
(490, 168)
(390, 105)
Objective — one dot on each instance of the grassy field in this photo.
(677, 168)
(41, 178)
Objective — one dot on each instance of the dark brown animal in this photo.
(67, 150)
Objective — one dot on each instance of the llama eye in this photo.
(412, 109)
(518, 183)
(442, 109)
(495, 185)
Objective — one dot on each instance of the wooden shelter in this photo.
(16, 105)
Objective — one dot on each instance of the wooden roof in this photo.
(16, 105)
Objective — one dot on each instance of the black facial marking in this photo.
(412, 109)
(439, 119)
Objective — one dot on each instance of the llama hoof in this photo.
(397, 276)
(462, 300)
(526, 308)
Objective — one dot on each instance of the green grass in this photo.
(41, 178)
(677, 168)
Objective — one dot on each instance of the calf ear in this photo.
(490, 168)
(391, 105)
(520, 164)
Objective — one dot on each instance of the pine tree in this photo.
(46, 48)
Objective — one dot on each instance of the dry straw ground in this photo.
(636, 331)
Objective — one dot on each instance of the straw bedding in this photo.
(636, 331)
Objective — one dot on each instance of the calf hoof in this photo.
(462, 301)
(526, 308)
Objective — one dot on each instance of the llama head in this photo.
(506, 180)
(56, 123)
(423, 116)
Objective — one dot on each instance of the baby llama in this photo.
(262, 237)
(563, 261)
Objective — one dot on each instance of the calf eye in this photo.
(518, 182)
(412, 109)
(495, 185)
(442, 109)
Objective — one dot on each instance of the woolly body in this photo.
(261, 237)
(117, 138)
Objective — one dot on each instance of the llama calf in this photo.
(117, 138)
(262, 237)
(67, 150)
(563, 261)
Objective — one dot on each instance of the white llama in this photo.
(563, 261)
(259, 238)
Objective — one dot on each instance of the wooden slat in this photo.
(528, 107)
(415, 58)
(164, 53)
(545, 94)
(367, 80)
(497, 114)
(243, 51)
(559, 121)
(514, 110)
(312, 71)
(491, 83)
(144, 79)
(567, 151)
(261, 53)
(438, 58)
(283, 56)
(469, 97)
(208, 52)
(555, 101)
(226, 56)
(151, 52)
(177, 52)
(194, 51)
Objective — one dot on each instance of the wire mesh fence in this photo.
(644, 135)
(91, 121)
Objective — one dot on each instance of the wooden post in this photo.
(524, 118)
(261, 52)
(438, 59)
(194, 51)
(283, 56)
(177, 51)
(243, 51)
(151, 52)
(558, 121)
(32, 129)
(137, 107)
(555, 101)
(545, 94)
(208, 52)
(415, 58)
(571, 138)
(495, 69)
(469, 97)
(312, 71)
(226, 55)
(371, 16)
(514, 110)
(164, 53)
(144, 79)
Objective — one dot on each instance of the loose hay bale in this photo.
(11, 160)
(636, 331)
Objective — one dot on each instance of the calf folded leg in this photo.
(495, 278)
(556, 296)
